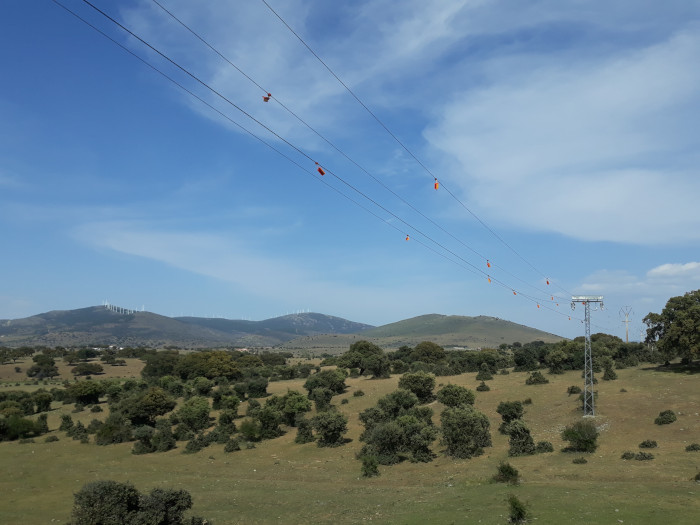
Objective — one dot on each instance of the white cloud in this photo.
(648, 292)
(270, 277)
(677, 272)
(605, 140)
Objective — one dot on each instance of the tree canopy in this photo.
(676, 330)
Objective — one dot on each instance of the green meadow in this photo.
(283, 482)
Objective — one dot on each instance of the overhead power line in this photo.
(267, 96)
(468, 266)
(412, 155)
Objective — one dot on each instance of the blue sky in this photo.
(570, 129)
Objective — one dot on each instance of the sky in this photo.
(565, 137)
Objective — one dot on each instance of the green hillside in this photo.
(449, 331)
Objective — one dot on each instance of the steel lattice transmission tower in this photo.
(588, 394)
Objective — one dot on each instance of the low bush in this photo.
(536, 378)
(506, 473)
(370, 466)
(693, 447)
(358, 393)
(573, 390)
(483, 387)
(579, 460)
(527, 401)
(648, 443)
(628, 454)
(518, 510)
(232, 445)
(665, 418)
(582, 436)
(543, 447)
(643, 456)
(96, 408)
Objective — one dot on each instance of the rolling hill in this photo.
(308, 332)
(97, 325)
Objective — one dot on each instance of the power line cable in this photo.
(184, 70)
(398, 141)
(269, 96)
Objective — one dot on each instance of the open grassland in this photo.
(282, 482)
(9, 377)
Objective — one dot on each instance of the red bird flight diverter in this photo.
(320, 169)
(267, 98)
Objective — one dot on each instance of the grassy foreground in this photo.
(282, 482)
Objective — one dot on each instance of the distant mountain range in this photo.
(97, 325)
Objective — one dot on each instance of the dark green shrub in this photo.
(330, 428)
(232, 445)
(455, 395)
(112, 503)
(665, 418)
(322, 398)
(194, 445)
(107, 502)
(78, 432)
(116, 429)
(643, 456)
(370, 466)
(543, 447)
(536, 378)
(41, 424)
(484, 373)
(582, 436)
(358, 393)
(483, 387)
(520, 440)
(304, 431)
(628, 454)
(66, 423)
(163, 439)
(509, 411)
(254, 407)
(94, 426)
(527, 401)
(579, 460)
(250, 430)
(270, 420)
(694, 447)
(697, 477)
(504, 371)
(465, 432)
(518, 510)
(344, 401)
(96, 408)
(609, 374)
(648, 443)
(506, 473)
(573, 390)
(420, 383)
(51, 439)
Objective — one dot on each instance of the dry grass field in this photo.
(282, 482)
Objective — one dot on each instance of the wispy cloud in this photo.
(267, 277)
(605, 139)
